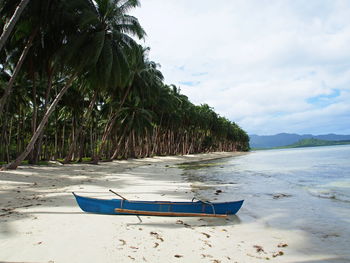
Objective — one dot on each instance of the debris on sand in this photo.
(253, 256)
(180, 222)
(207, 243)
(157, 236)
(259, 249)
(207, 235)
(279, 253)
(282, 245)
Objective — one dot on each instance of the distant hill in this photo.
(284, 139)
(315, 142)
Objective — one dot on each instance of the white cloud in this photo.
(258, 62)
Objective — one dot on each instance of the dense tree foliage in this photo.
(76, 85)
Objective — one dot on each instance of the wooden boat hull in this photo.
(158, 208)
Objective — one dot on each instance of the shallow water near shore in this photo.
(306, 189)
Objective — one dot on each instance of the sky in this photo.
(271, 66)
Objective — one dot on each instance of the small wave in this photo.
(329, 194)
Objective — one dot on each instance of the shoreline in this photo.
(39, 215)
(38, 211)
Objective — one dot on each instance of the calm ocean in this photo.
(304, 189)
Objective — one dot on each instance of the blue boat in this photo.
(157, 208)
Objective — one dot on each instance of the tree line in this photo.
(75, 85)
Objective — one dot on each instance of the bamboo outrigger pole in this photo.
(124, 199)
(117, 194)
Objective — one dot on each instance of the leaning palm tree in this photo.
(41, 30)
(109, 68)
(12, 22)
(102, 32)
(25, 33)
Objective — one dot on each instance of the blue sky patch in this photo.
(189, 83)
(199, 74)
(324, 99)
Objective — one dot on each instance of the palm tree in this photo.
(141, 77)
(77, 133)
(11, 23)
(80, 57)
(15, 72)
(22, 35)
(40, 26)
(102, 33)
(41, 15)
(110, 68)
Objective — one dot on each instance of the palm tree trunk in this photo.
(81, 127)
(55, 144)
(81, 148)
(32, 154)
(16, 71)
(63, 139)
(109, 128)
(41, 126)
(47, 95)
(3, 141)
(114, 155)
(119, 143)
(18, 131)
(11, 24)
(154, 142)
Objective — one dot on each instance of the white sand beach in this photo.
(41, 222)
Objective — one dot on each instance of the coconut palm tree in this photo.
(40, 32)
(11, 23)
(83, 63)
(143, 76)
(103, 30)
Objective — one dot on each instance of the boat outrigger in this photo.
(157, 208)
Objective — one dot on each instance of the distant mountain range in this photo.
(284, 139)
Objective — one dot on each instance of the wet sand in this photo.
(41, 222)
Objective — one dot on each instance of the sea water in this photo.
(305, 189)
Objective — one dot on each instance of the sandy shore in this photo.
(41, 222)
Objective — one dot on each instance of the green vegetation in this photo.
(75, 85)
(315, 142)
